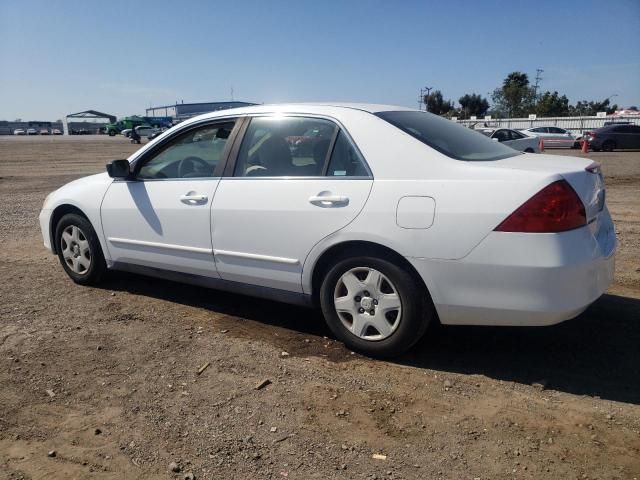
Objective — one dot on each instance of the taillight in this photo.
(555, 208)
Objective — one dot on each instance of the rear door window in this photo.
(285, 147)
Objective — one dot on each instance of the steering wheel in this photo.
(188, 165)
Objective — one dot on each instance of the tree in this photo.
(473, 105)
(515, 98)
(586, 108)
(552, 105)
(436, 104)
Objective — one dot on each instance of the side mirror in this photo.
(118, 169)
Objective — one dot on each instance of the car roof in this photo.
(327, 108)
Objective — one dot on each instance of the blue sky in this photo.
(123, 56)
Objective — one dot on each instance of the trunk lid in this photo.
(584, 176)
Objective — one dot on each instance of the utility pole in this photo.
(421, 99)
(538, 79)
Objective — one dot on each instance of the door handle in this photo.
(328, 200)
(193, 198)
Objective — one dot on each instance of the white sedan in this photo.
(391, 219)
(513, 139)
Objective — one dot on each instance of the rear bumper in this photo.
(515, 279)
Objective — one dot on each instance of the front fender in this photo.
(84, 194)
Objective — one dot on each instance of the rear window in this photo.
(448, 137)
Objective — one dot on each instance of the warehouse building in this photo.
(182, 111)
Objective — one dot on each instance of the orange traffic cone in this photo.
(585, 146)
(541, 145)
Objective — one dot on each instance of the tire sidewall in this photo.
(416, 315)
(97, 267)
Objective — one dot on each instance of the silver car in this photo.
(553, 136)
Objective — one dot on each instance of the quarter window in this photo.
(284, 147)
(345, 159)
(193, 154)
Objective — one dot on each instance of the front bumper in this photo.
(523, 279)
(44, 219)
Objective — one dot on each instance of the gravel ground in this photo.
(103, 382)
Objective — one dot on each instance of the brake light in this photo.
(555, 208)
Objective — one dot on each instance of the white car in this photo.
(513, 139)
(392, 219)
(126, 132)
(32, 131)
(19, 131)
(554, 136)
(146, 130)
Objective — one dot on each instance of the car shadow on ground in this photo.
(596, 354)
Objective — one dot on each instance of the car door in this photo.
(282, 194)
(502, 136)
(161, 217)
(560, 137)
(627, 136)
(634, 136)
(513, 139)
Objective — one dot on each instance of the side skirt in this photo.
(278, 295)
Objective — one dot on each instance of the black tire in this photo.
(529, 150)
(112, 133)
(594, 149)
(92, 274)
(608, 145)
(417, 308)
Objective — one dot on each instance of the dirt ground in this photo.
(107, 377)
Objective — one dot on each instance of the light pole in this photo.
(423, 97)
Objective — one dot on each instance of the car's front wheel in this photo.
(374, 306)
(79, 249)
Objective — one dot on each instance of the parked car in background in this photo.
(44, 131)
(32, 131)
(553, 136)
(351, 227)
(513, 139)
(55, 131)
(146, 130)
(126, 132)
(19, 131)
(613, 137)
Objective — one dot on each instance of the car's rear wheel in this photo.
(374, 306)
(529, 150)
(79, 249)
(608, 145)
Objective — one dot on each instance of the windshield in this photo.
(448, 137)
